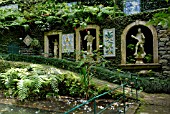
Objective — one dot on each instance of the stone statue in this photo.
(141, 40)
(89, 39)
(55, 48)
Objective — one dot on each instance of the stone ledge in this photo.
(140, 66)
(133, 108)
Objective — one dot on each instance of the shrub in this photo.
(37, 82)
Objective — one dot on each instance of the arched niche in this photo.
(49, 38)
(124, 39)
(95, 28)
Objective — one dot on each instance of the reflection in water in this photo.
(61, 105)
(11, 109)
(60, 108)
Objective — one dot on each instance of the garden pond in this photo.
(11, 109)
(57, 106)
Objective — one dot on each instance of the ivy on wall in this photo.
(48, 15)
(147, 5)
(120, 23)
(161, 18)
(37, 16)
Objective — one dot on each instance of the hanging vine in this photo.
(50, 13)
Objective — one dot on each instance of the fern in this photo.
(54, 83)
(23, 88)
(24, 83)
(36, 84)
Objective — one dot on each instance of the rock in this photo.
(162, 52)
(164, 39)
(168, 43)
(161, 43)
(162, 31)
(163, 61)
(166, 72)
(167, 56)
(166, 68)
(143, 72)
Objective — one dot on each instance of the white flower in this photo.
(100, 107)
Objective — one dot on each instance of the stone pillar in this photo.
(46, 46)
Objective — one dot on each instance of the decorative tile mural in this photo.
(13, 7)
(27, 40)
(131, 6)
(109, 42)
(70, 4)
(67, 43)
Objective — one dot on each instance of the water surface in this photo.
(11, 109)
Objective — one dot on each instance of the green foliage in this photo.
(36, 82)
(131, 50)
(59, 63)
(113, 75)
(161, 18)
(131, 59)
(49, 12)
(154, 85)
(3, 65)
(154, 4)
(35, 46)
(120, 23)
(23, 88)
(10, 17)
(35, 43)
(85, 66)
(131, 47)
(29, 82)
(117, 76)
(148, 58)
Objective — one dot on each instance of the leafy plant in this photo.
(148, 58)
(85, 65)
(112, 75)
(27, 82)
(36, 82)
(35, 45)
(161, 18)
(130, 50)
(48, 13)
(23, 88)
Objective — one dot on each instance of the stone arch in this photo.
(78, 36)
(46, 42)
(123, 40)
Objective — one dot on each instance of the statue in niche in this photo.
(89, 39)
(55, 48)
(139, 49)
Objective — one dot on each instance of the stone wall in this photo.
(164, 50)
